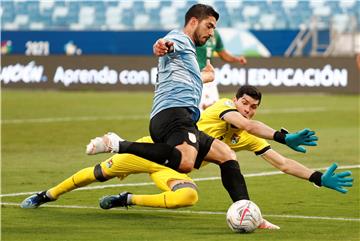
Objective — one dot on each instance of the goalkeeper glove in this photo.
(294, 140)
(332, 180)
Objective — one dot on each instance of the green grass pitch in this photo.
(44, 134)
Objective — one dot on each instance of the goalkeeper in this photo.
(225, 120)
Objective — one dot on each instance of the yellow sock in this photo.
(79, 179)
(182, 197)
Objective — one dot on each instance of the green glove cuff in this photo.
(316, 178)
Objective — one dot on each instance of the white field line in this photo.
(141, 117)
(138, 184)
(189, 212)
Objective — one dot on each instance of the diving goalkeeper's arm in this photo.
(295, 141)
(329, 179)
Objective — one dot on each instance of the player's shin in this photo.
(233, 180)
(81, 178)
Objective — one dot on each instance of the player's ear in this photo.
(194, 21)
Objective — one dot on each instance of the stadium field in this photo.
(44, 134)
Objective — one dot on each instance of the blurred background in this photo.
(292, 45)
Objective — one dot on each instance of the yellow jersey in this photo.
(211, 122)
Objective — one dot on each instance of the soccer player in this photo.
(178, 143)
(210, 93)
(177, 95)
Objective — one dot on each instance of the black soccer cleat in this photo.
(35, 200)
(111, 201)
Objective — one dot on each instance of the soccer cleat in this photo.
(267, 225)
(35, 200)
(111, 201)
(107, 143)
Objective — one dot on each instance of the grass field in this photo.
(44, 134)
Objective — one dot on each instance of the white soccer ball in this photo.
(243, 216)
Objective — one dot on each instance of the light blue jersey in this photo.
(179, 81)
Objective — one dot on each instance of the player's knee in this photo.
(188, 156)
(227, 154)
(186, 166)
(190, 197)
(187, 162)
(183, 197)
(221, 152)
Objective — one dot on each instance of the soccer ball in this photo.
(243, 216)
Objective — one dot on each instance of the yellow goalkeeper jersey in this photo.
(211, 122)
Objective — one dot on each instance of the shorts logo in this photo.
(192, 137)
(109, 163)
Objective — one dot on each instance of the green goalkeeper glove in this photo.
(304, 137)
(329, 179)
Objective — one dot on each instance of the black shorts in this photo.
(174, 126)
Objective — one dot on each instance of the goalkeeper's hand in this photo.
(304, 137)
(329, 179)
(336, 181)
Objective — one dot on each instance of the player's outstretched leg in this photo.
(79, 179)
(161, 153)
(35, 200)
(267, 225)
(111, 201)
(107, 143)
(182, 197)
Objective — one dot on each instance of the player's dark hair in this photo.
(250, 91)
(200, 12)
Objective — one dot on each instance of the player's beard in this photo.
(199, 39)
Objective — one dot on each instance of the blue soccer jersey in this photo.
(179, 81)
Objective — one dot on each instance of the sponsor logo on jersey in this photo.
(229, 103)
(235, 139)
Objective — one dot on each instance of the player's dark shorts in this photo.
(174, 126)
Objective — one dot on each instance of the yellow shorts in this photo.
(122, 165)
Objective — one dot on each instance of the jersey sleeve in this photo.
(180, 42)
(225, 107)
(211, 121)
(257, 145)
(219, 43)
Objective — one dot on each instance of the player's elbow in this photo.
(183, 197)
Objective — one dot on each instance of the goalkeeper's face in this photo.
(246, 105)
(204, 30)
